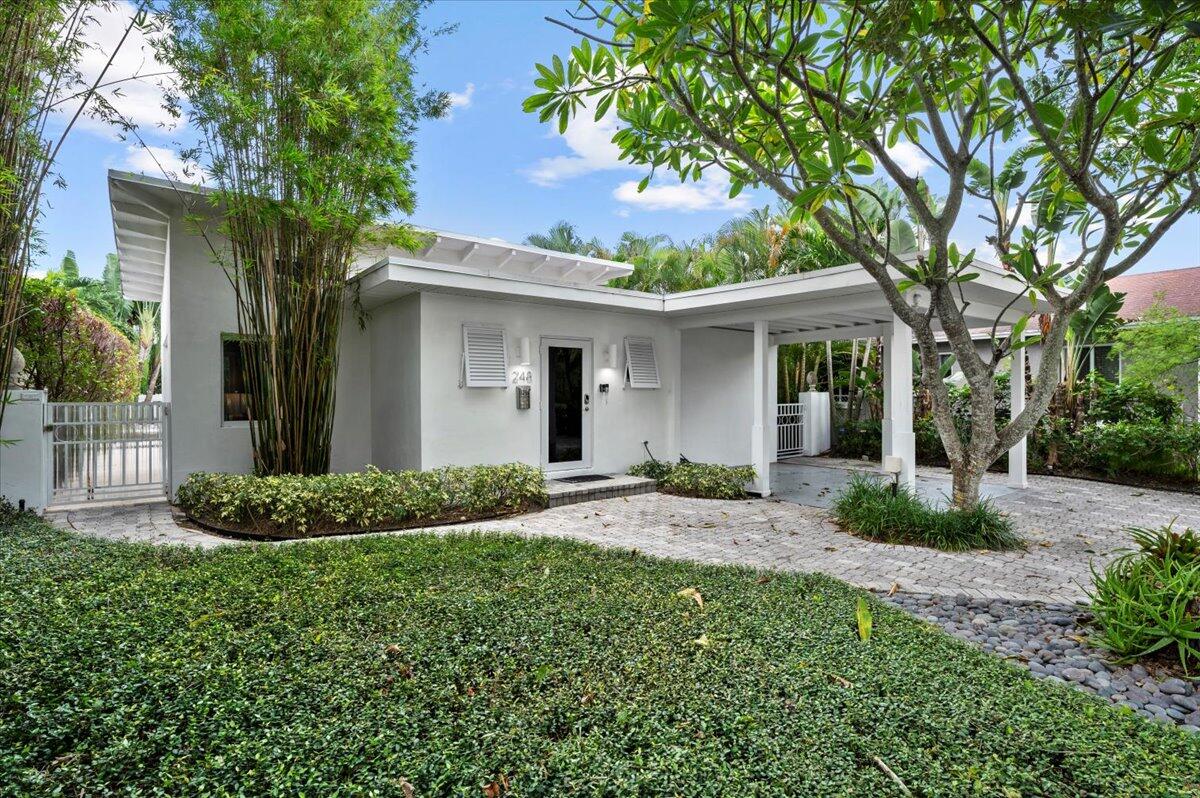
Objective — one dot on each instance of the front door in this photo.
(566, 404)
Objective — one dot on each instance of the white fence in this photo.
(106, 450)
(789, 424)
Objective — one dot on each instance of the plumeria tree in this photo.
(306, 111)
(1074, 123)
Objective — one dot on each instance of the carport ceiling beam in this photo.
(835, 334)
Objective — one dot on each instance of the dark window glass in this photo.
(235, 397)
(1108, 363)
(565, 420)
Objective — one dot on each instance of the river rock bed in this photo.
(1051, 641)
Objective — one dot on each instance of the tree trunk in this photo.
(153, 380)
(965, 486)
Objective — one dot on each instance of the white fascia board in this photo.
(427, 276)
(617, 268)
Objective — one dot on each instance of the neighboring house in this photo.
(481, 351)
(1178, 288)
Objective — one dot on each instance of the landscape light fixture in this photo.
(893, 465)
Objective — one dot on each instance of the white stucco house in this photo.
(458, 332)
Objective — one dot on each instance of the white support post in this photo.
(675, 410)
(773, 403)
(760, 448)
(1017, 462)
(898, 438)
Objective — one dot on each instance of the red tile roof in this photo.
(1180, 289)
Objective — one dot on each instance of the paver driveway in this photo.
(1067, 524)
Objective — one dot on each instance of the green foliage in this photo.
(1147, 601)
(1162, 341)
(70, 352)
(650, 469)
(867, 507)
(1132, 400)
(459, 664)
(305, 111)
(699, 480)
(103, 297)
(305, 506)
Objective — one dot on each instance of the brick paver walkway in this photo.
(1067, 523)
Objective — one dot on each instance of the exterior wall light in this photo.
(610, 356)
(524, 351)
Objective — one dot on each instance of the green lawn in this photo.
(357, 667)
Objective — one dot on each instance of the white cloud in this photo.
(138, 94)
(460, 100)
(908, 156)
(162, 162)
(592, 151)
(710, 193)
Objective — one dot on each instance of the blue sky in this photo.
(489, 169)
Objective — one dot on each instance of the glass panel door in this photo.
(566, 403)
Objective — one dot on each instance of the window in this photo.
(485, 357)
(235, 396)
(641, 364)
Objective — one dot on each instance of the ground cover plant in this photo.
(697, 480)
(494, 665)
(1147, 602)
(296, 506)
(869, 507)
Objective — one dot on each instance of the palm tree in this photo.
(563, 237)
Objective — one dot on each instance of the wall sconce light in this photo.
(893, 465)
(525, 352)
(610, 356)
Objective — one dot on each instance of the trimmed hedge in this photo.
(867, 507)
(494, 665)
(309, 506)
(697, 480)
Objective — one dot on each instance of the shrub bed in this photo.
(697, 480)
(1147, 601)
(309, 506)
(867, 507)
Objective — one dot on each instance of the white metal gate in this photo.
(789, 422)
(104, 451)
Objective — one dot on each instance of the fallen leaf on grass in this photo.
(762, 580)
(841, 681)
(693, 594)
(894, 589)
(407, 788)
(862, 614)
(702, 641)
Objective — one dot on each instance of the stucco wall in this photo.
(718, 401)
(201, 308)
(395, 365)
(483, 425)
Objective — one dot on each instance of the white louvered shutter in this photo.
(641, 364)
(485, 357)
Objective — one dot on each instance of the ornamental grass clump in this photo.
(1147, 601)
(697, 480)
(868, 507)
(296, 506)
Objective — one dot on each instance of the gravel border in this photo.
(1051, 641)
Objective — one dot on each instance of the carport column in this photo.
(898, 438)
(772, 403)
(760, 447)
(1017, 469)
